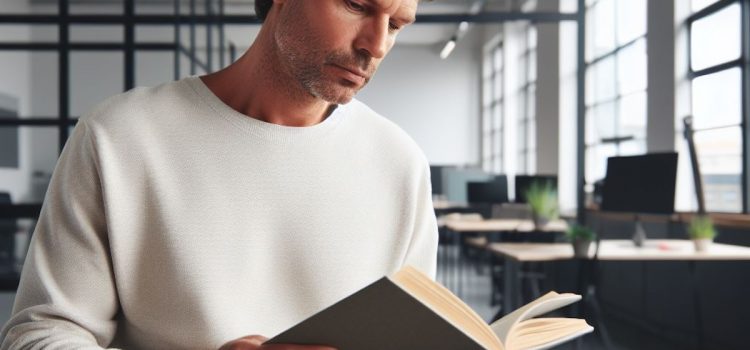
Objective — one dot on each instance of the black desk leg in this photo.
(459, 265)
(510, 285)
(697, 305)
(591, 307)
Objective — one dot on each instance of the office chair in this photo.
(7, 238)
(588, 280)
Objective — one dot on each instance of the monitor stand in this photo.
(639, 236)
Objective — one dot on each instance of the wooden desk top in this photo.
(623, 250)
(498, 225)
(445, 205)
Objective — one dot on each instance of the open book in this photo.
(410, 311)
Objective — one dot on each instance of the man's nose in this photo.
(374, 38)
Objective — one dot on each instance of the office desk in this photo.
(516, 254)
(501, 225)
(447, 205)
(458, 228)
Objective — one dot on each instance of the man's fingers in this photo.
(295, 347)
(255, 342)
(251, 342)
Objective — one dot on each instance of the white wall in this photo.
(14, 82)
(547, 92)
(660, 41)
(435, 101)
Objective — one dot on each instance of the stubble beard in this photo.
(304, 62)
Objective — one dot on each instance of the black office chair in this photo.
(7, 238)
(588, 282)
(481, 197)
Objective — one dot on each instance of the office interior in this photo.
(499, 94)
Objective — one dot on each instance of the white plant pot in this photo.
(581, 248)
(702, 244)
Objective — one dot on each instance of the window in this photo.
(717, 75)
(492, 111)
(616, 83)
(526, 134)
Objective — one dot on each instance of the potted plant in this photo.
(581, 237)
(542, 199)
(702, 232)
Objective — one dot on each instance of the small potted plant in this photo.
(702, 232)
(581, 237)
(542, 199)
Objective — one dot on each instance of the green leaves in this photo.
(579, 232)
(542, 198)
(701, 227)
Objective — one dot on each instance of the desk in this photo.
(457, 228)
(623, 250)
(612, 250)
(445, 205)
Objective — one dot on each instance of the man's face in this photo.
(333, 47)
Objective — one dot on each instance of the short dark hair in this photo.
(262, 7)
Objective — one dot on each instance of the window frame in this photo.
(617, 140)
(742, 63)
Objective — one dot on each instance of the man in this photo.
(238, 203)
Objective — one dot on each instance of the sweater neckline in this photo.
(259, 127)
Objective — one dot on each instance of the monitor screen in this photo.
(524, 182)
(488, 192)
(640, 184)
(436, 179)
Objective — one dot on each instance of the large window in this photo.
(616, 83)
(717, 75)
(526, 135)
(492, 112)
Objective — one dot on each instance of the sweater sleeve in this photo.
(422, 252)
(67, 297)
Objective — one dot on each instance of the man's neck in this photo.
(256, 86)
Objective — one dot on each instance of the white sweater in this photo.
(175, 222)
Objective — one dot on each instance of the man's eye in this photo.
(393, 26)
(357, 7)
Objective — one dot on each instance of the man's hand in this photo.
(255, 342)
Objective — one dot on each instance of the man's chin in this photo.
(337, 95)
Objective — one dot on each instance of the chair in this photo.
(588, 281)
(7, 238)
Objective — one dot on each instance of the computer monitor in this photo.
(524, 182)
(436, 178)
(488, 192)
(640, 184)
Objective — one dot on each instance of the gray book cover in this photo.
(377, 317)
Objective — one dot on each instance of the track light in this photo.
(463, 27)
(449, 46)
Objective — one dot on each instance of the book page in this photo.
(447, 305)
(542, 305)
(542, 333)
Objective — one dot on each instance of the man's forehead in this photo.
(402, 10)
(396, 5)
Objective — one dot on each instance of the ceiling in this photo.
(421, 34)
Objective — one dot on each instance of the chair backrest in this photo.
(7, 226)
(511, 211)
(5, 198)
(494, 191)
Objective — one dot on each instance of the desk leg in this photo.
(451, 260)
(443, 256)
(510, 285)
(459, 266)
(697, 305)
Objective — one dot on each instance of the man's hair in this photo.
(262, 7)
